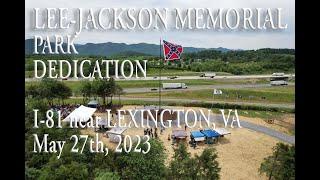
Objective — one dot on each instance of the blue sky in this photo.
(207, 39)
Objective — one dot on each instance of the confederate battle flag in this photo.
(171, 51)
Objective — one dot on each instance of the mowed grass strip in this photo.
(268, 95)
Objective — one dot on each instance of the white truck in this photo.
(208, 74)
(278, 83)
(174, 86)
(277, 74)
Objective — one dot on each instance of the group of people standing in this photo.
(151, 132)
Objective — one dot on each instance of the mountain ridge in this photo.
(111, 48)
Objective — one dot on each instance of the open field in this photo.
(239, 154)
(284, 94)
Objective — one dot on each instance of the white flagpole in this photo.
(160, 67)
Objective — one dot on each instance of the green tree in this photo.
(63, 91)
(32, 91)
(32, 173)
(103, 175)
(281, 164)
(209, 166)
(119, 91)
(143, 166)
(180, 166)
(111, 88)
(55, 170)
(86, 90)
(49, 89)
(183, 166)
(101, 88)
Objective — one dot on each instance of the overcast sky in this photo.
(207, 39)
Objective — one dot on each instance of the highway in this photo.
(200, 87)
(156, 78)
(203, 87)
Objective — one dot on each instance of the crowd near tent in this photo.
(114, 133)
(81, 114)
(102, 122)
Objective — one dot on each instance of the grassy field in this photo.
(268, 94)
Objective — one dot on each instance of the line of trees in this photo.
(49, 89)
(242, 56)
(102, 88)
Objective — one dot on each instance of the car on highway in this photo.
(208, 74)
(172, 77)
(278, 83)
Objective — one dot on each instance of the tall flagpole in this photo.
(160, 67)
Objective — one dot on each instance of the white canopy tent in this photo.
(114, 133)
(81, 114)
(222, 131)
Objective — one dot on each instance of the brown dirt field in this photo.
(239, 154)
(285, 124)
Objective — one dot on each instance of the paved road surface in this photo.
(155, 78)
(200, 87)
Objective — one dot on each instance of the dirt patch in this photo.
(284, 124)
